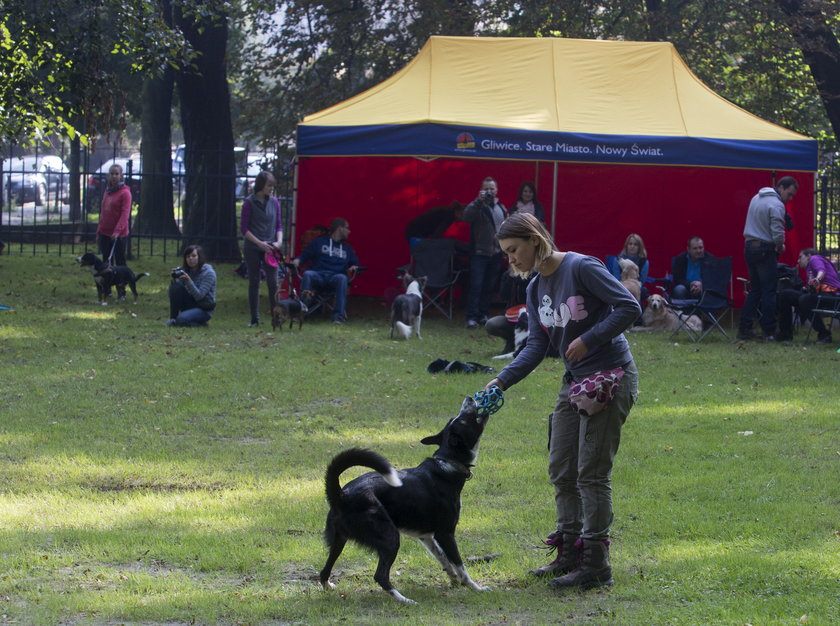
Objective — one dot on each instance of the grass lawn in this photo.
(156, 475)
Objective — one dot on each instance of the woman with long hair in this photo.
(579, 308)
(262, 228)
(192, 292)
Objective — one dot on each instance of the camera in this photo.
(177, 273)
(488, 195)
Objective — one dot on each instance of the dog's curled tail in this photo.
(351, 458)
(142, 274)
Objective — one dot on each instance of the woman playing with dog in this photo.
(262, 228)
(577, 306)
(192, 292)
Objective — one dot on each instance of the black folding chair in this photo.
(714, 302)
(827, 305)
(434, 260)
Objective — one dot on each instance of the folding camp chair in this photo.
(324, 299)
(714, 302)
(827, 305)
(434, 260)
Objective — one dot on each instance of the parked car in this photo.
(35, 179)
(255, 162)
(98, 181)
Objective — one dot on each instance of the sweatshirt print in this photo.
(579, 299)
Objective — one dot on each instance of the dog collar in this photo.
(454, 466)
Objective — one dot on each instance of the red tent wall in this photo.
(597, 206)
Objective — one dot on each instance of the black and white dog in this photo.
(520, 335)
(422, 502)
(407, 308)
(107, 276)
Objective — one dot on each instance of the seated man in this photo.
(331, 257)
(687, 268)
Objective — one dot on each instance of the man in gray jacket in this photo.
(484, 214)
(764, 234)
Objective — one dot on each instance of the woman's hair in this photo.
(808, 251)
(262, 178)
(631, 237)
(194, 248)
(526, 226)
(527, 184)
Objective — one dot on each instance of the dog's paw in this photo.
(400, 597)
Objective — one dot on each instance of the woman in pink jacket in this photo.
(112, 231)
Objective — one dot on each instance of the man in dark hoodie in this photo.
(331, 257)
(764, 235)
(484, 214)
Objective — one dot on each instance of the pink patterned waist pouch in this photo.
(592, 394)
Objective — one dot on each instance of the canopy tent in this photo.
(619, 136)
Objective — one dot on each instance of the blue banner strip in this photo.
(441, 140)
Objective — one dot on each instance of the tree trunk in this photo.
(156, 215)
(74, 183)
(209, 205)
(820, 49)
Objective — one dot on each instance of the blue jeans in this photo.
(761, 265)
(183, 308)
(328, 282)
(581, 452)
(484, 270)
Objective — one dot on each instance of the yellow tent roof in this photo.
(551, 84)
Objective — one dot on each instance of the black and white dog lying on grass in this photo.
(422, 502)
(107, 276)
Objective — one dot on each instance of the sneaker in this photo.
(170, 322)
(746, 335)
(254, 323)
(338, 321)
(770, 338)
(471, 324)
(482, 320)
(824, 339)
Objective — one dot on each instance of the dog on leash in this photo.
(407, 308)
(288, 310)
(630, 278)
(107, 276)
(422, 502)
(659, 316)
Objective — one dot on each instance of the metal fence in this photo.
(827, 224)
(37, 210)
(40, 210)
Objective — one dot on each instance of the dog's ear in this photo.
(433, 440)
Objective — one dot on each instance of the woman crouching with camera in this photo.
(192, 292)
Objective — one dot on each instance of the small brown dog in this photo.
(288, 309)
(630, 278)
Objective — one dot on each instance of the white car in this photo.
(35, 179)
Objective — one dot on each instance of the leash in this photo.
(488, 402)
(113, 249)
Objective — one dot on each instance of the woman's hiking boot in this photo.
(568, 555)
(594, 570)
